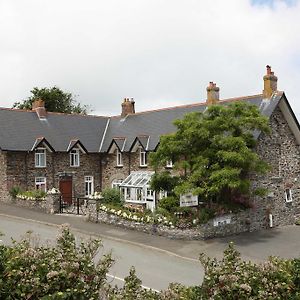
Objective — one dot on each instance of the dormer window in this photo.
(75, 158)
(40, 158)
(143, 158)
(169, 164)
(119, 158)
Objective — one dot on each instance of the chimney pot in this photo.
(127, 107)
(39, 106)
(270, 83)
(212, 93)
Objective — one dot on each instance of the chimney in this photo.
(212, 93)
(270, 83)
(39, 106)
(127, 107)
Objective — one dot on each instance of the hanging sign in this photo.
(188, 200)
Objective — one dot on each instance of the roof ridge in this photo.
(52, 112)
(190, 105)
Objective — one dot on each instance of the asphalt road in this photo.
(154, 267)
(158, 260)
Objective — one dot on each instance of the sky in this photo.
(160, 52)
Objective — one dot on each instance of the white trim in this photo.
(77, 154)
(147, 145)
(290, 119)
(119, 155)
(43, 182)
(88, 190)
(143, 153)
(39, 155)
(288, 195)
(104, 134)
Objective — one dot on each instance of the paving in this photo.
(256, 246)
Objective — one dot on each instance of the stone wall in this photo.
(21, 170)
(3, 181)
(50, 205)
(173, 233)
(281, 151)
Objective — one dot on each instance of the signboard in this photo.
(188, 200)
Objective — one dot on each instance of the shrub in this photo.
(169, 203)
(112, 196)
(65, 271)
(32, 195)
(14, 191)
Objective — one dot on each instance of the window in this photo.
(288, 195)
(74, 158)
(169, 164)
(40, 157)
(116, 183)
(89, 185)
(40, 183)
(143, 158)
(119, 159)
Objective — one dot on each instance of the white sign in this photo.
(188, 200)
(219, 221)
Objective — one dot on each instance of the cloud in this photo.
(162, 53)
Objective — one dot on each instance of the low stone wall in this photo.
(244, 221)
(173, 233)
(50, 205)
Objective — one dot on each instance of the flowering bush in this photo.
(53, 191)
(32, 195)
(96, 196)
(232, 278)
(137, 217)
(66, 271)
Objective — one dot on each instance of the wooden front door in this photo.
(65, 187)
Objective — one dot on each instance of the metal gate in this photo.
(74, 205)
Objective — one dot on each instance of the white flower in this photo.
(53, 191)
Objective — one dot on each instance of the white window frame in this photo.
(143, 157)
(288, 195)
(119, 158)
(39, 153)
(88, 185)
(169, 164)
(116, 183)
(75, 157)
(41, 183)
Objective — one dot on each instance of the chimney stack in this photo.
(270, 83)
(127, 107)
(39, 106)
(212, 93)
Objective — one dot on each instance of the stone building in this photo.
(83, 154)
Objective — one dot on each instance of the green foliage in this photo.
(233, 278)
(164, 182)
(69, 270)
(14, 191)
(169, 203)
(112, 196)
(56, 100)
(32, 195)
(65, 271)
(214, 151)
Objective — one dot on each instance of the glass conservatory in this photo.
(135, 189)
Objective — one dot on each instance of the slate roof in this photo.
(19, 129)
(158, 122)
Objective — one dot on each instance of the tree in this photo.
(55, 99)
(213, 151)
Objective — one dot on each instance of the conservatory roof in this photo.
(137, 179)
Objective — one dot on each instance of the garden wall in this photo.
(50, 205)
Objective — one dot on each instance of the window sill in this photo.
(119, 166)
(143, 166)
(40, 167)
(74, 166)
(169, 168)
